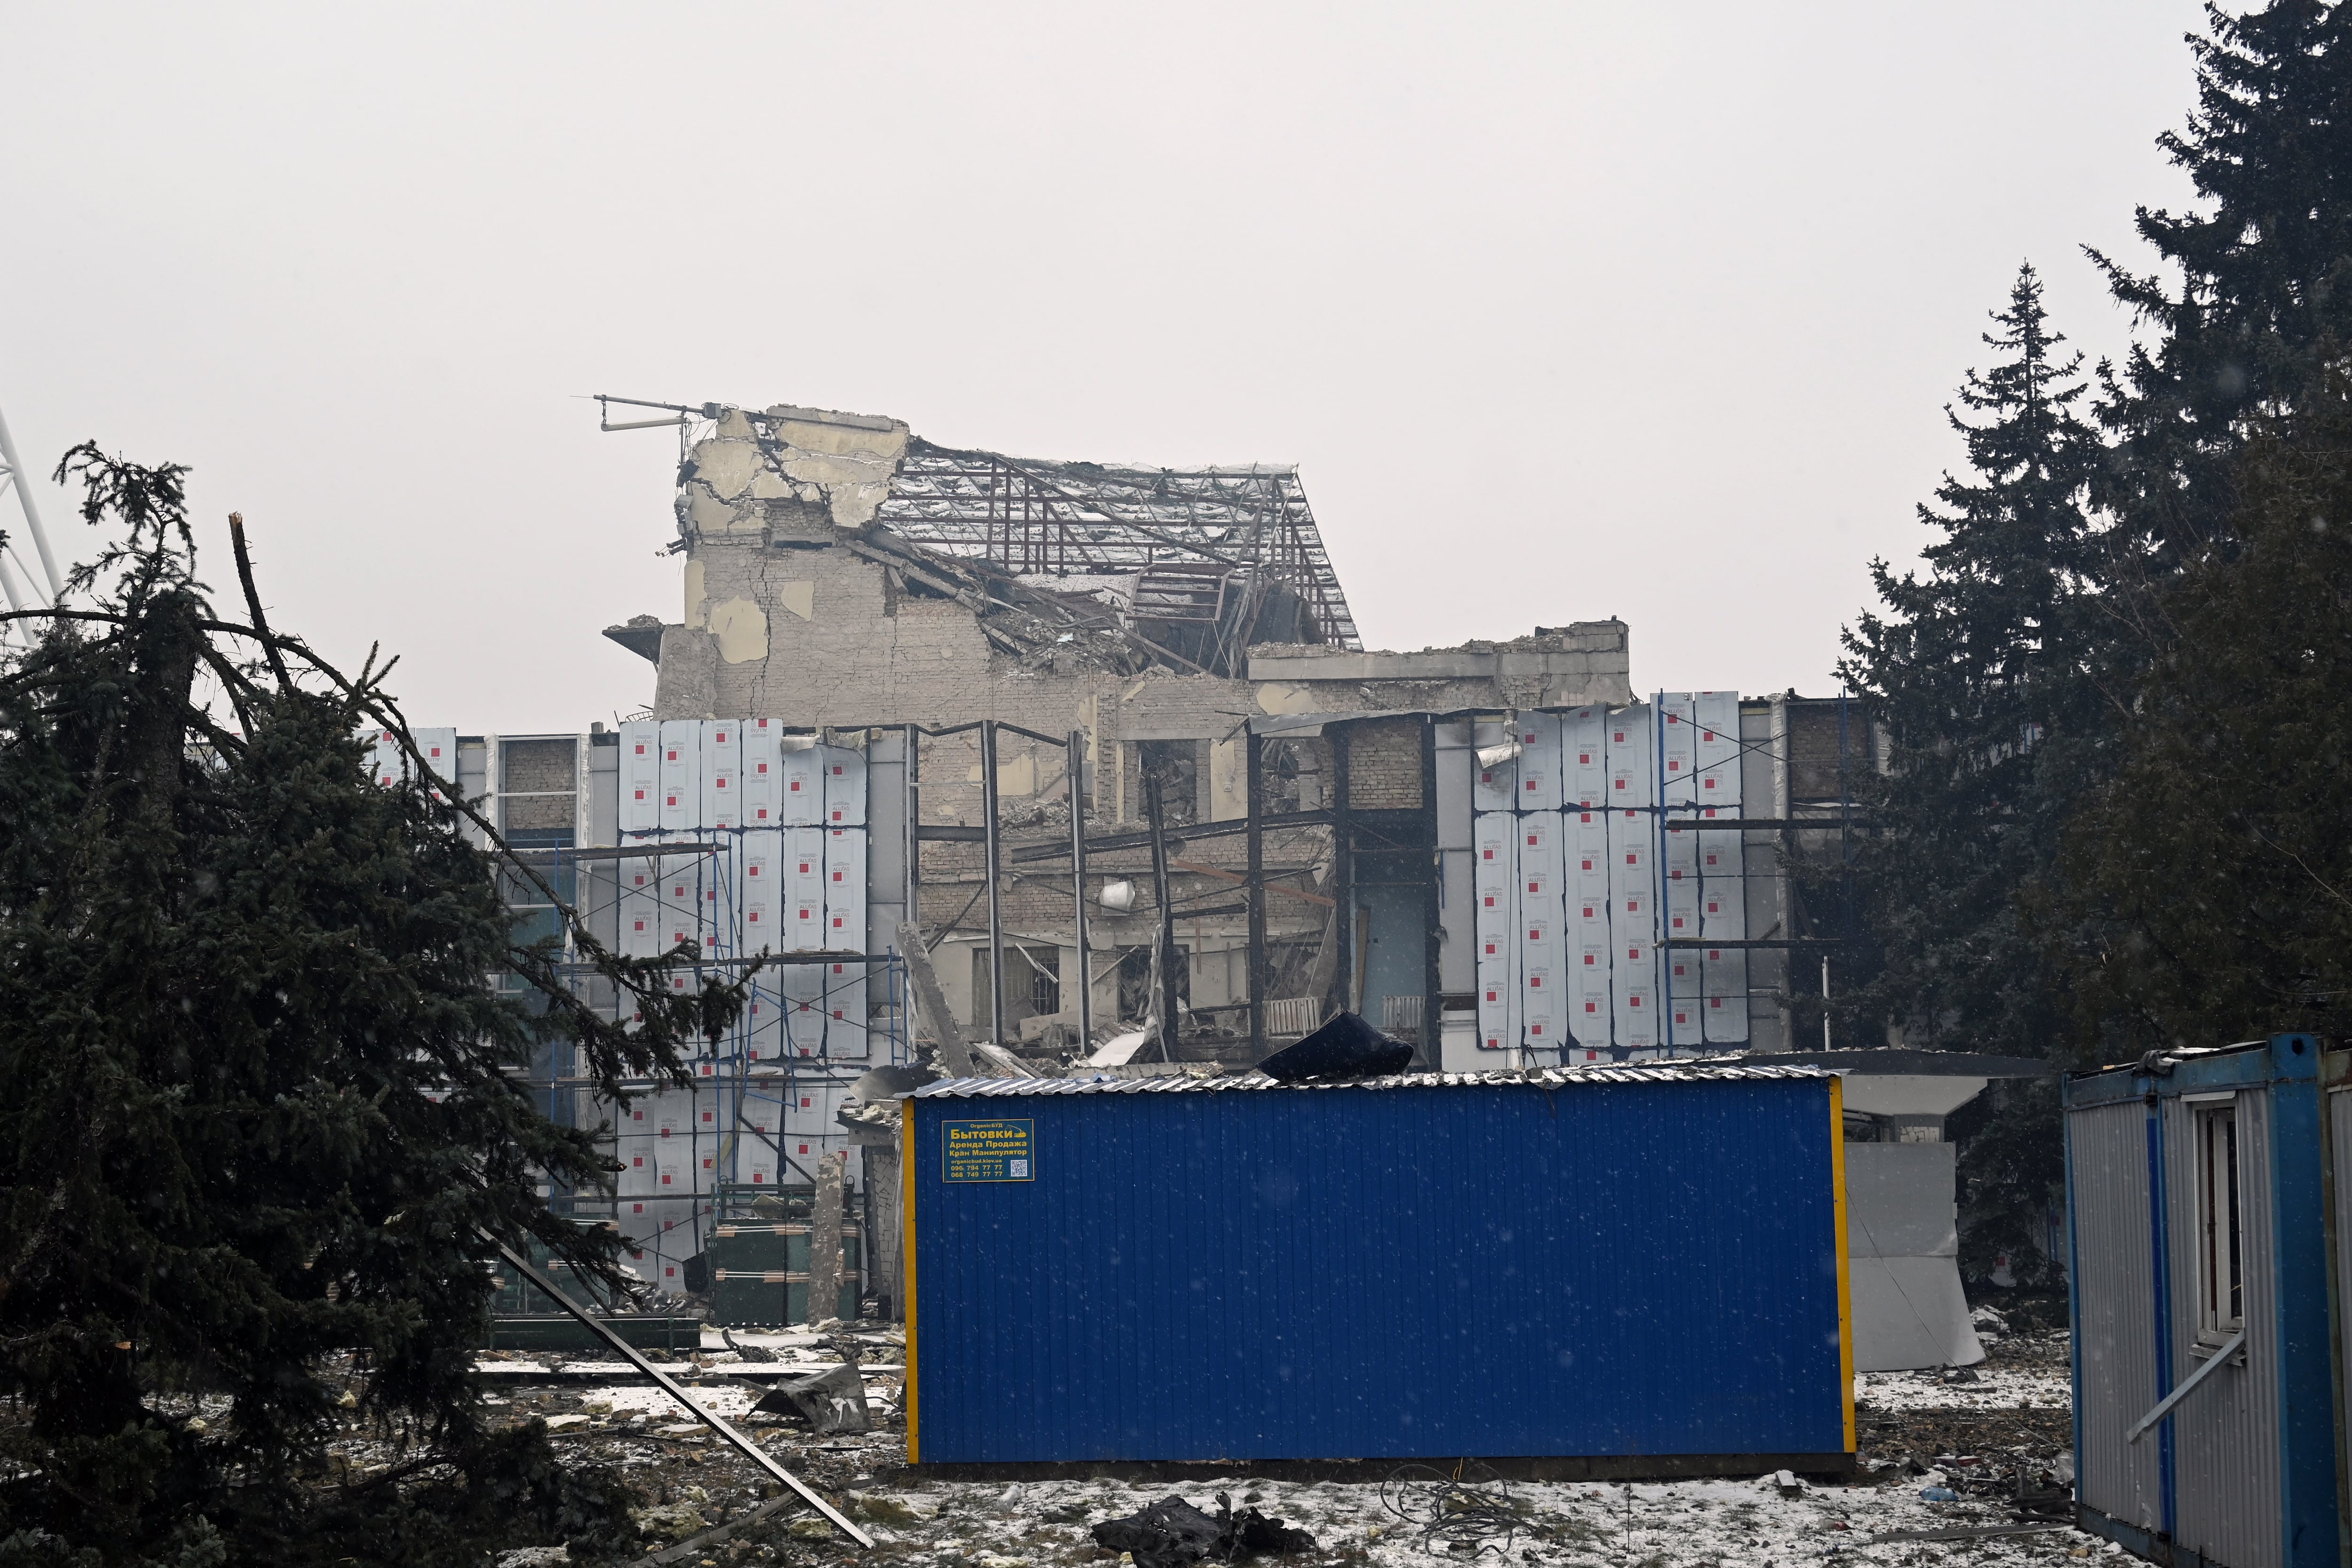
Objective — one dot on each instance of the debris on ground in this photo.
(831, 1402)
(2008, 1466)
(1470, 1511)
(1173, 1534)
(1347, 1047)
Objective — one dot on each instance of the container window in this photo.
(2221, 1292)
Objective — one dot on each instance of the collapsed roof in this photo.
(1168, 535)
(1130, 566)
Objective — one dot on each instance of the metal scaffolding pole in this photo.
(995, 915)
(1254, 795)
(1077, 779)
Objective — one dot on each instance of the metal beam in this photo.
(2237, 1343)
(669, 1385)
(1254, 797)
(995, 911)
(1074, 775)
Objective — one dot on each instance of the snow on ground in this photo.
(1993, 1388)
(1982, 1440)
(1676, 1524)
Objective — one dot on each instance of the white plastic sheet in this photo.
(843, 770)
(640, 777)
(1586, 840)
(1584, 752)
(1678, 749)
(844, 890)
(762, 774)
(844, 1006)
(680, 774)
(1630, 764)
(1494, 785)
(722, 767)
(1538, 788)
(1592, 1013)
(804, 791)
(1498, 996)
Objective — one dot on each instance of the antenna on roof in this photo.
(682, 416)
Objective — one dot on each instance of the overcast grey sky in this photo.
(1564, 310)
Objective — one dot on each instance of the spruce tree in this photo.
(2209, 894)
(2256, 286)
(259, 1107)
(1976, 670)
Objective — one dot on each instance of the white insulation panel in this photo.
(1538, 787)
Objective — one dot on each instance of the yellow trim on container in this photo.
(1844, 1267)
(907, 1273)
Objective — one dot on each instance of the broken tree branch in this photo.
(252, 600)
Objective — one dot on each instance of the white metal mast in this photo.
(12, 472)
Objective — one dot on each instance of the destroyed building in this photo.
(843, 574)
(864, 614)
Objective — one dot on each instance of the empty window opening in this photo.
(2221, 1292)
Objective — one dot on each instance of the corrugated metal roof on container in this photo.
(1552, 1078)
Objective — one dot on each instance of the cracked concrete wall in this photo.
(794, 464)
(798, 628)
(1567, 666)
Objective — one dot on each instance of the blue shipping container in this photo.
(1631, 1261)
